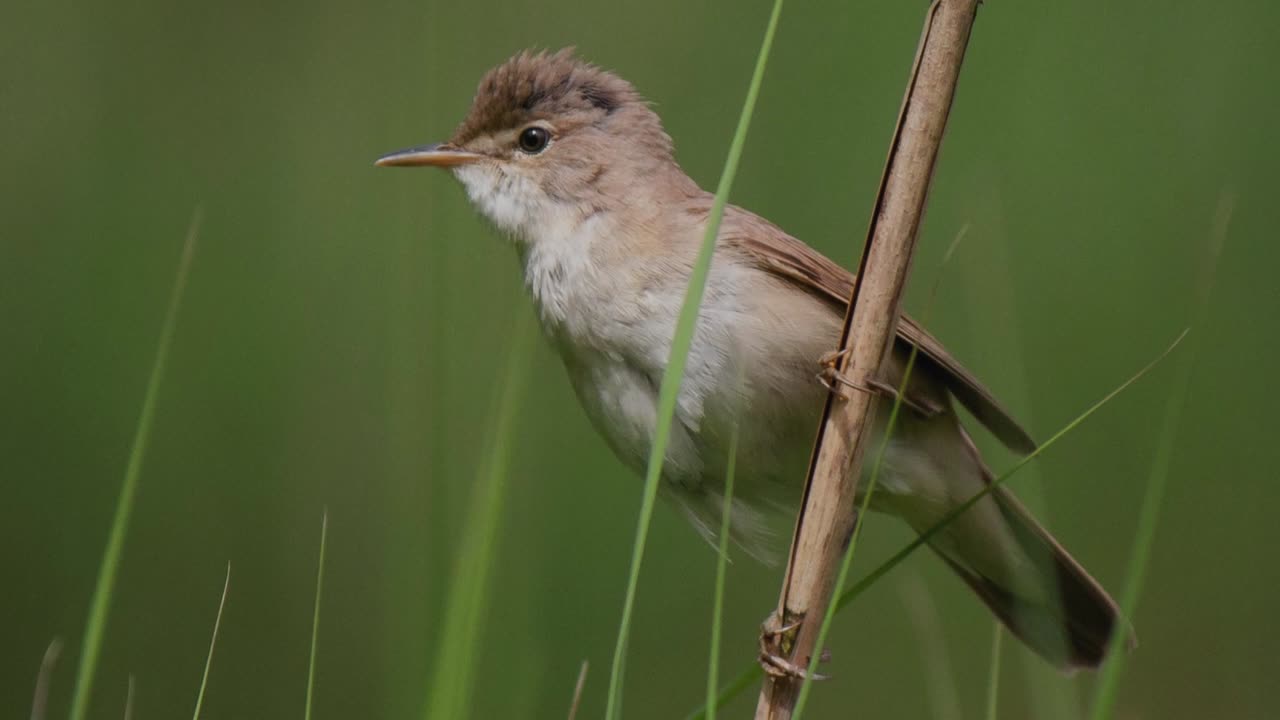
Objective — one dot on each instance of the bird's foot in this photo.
(831, 378)
(775, 640)
(831, 358)
(834, 380)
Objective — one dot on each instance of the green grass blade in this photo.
(213, 640)
(748, 677)
(937, 678)
(992, 287)
(671, 378)
(315, 615)
(848, 596)
(456, 657)
(107, 571)
(722, 564)
(993, 677)
(1147, 519)
(1157, 481)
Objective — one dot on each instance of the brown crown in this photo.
(542, 85)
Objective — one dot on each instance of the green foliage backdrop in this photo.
(343, 327)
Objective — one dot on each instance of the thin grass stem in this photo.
(722, 564)
(993, 287)
(669, 390)
(213, 640)
(1157, 481)
(449, 694)
(938, 677)
(96, 626)
(315, 615)
(993, 676)
(128, 700)
(577, 690)
(40, 697)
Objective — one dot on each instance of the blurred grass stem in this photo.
(213, 641)
(669, 390)
(315, 615)
(96, 626)
(722, 563)
(449, 693)
(1157, 481)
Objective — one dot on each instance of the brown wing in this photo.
(778, 253)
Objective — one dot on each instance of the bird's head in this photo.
(550, 139)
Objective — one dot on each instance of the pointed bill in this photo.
(437, 155)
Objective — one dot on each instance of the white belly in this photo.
(744, 368)
(622, 402)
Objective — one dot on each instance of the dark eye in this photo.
(534, 139)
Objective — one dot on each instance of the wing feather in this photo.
(774, 251)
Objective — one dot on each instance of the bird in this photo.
(575, 168)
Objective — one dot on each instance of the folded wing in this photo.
(774, 251)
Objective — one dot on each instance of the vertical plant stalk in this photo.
(213, 641)
(128, 701)
(468, 599)
(97, 622)
(1149, 516)
(669, 389)
(993, 677)
(722, 562)
(315, 615)
(40, 699)
(577, 689)
(828, 517)
(937, 676)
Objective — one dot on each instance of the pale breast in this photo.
(613, 331)
(751, 369)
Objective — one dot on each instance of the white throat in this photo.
(556, 240)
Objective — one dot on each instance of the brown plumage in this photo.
(779, 253)
(570, 162)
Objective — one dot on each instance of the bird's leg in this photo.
(775, 638)
(832, 379)
(923, 407)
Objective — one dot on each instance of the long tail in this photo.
(1034, 586)
(1071, 622)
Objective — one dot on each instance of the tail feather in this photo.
(1072, 628)
(1014, 565)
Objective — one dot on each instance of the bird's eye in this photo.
(534, 139)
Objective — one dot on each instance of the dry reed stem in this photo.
(40, 699)
(577, 690)
(828, 514)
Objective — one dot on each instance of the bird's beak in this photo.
(438, 155)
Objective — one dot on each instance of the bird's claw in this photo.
(834, 381)
(831, 358)
(772, 661)
(779, 667)
(831, 378)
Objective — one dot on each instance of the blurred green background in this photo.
(344, 329)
